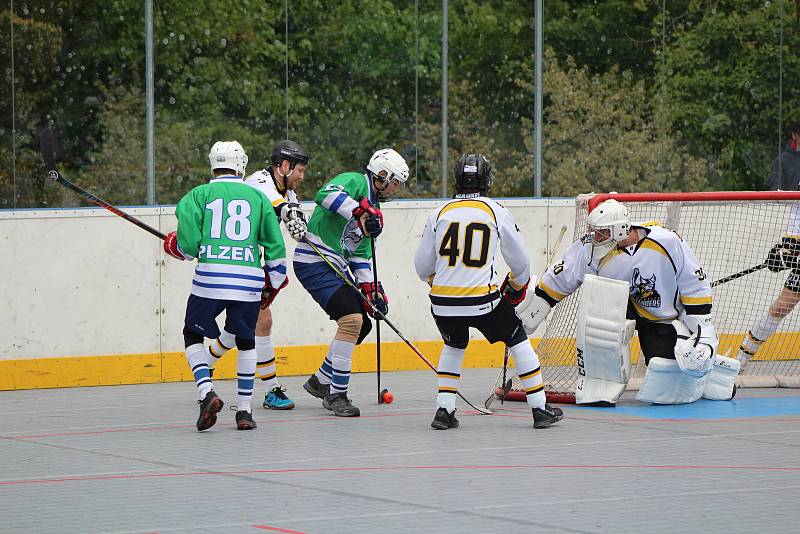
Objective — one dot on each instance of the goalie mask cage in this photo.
(729, 232)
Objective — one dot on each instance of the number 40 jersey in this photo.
(457, 255)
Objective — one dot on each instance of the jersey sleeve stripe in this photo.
(552, 293)
(337, 201)
(281, 268)
(477, 204)
(456, 291)
(696, 300)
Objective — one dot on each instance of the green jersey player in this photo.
(223, 224)
(347, 213)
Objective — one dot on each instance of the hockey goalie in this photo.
(643, 278)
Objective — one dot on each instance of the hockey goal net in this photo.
(730, 232)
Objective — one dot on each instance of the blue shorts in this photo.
(319, 280)
(240, 317)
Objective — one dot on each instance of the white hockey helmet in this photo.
(608, 224)
(228, 155)
(386, 165)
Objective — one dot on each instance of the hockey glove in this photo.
(510, 293)
(370, 218)
(784, 255)
(269, 293)
(376, 296)
(171, 246)
(295, 220)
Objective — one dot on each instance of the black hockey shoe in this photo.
(340, 405)
(244, 420)
(315, 388)
(544, 417)
(209, 407)
(443, 420)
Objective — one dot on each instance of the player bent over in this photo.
(457, 258)
(279, 183)
(347, 216)
(223, 224)
(667, 296)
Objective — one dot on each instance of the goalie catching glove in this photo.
(269, 293)
(376, 296)
(171, 246)
(697, 342)
(784, 255)
(514, 295)
(295, 220)
(370, 218)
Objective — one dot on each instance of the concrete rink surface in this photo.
(128, 459)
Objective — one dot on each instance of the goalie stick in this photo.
(738, 275)
(47, 147)
(377, 313)
(501, 379)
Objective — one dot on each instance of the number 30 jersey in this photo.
(457, 255)
(664, 275)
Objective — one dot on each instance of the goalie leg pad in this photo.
(720, 381)
(602, 338)
(665, 383)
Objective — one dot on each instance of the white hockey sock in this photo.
(265, 368)
(325, 372)
(218, 347)
(448, 374)
(765, 326)
(196, 356)
(526, 362)
(245, 373)
(342, 363)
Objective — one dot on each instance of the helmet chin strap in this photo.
(286, 176)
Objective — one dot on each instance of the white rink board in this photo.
(84, 282)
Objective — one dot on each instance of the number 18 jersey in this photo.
(457, 255)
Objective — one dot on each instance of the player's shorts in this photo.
(240, 317)
(319, 280)
(500, 324)
(792, 282)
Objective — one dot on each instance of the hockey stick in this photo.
(377, 324)
(506, 384)
(47, 146)
(376, 312)
(738, 275)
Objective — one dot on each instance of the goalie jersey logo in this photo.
(643, 290)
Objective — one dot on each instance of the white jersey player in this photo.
(278, 183)
(784, 255)
(457, 258)
(669, 293)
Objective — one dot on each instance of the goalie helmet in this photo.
(473, 174)
(386, 165)
(289, 151)
(228, 155)
(608, 224)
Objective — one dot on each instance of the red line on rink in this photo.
(80, 478)
(276, 529)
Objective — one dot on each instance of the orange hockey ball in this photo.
(388, 397)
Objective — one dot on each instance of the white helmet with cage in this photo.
(608, 224)
(228, 155)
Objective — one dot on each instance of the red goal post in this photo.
(731, 233)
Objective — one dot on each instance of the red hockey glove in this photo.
(269, 293)
(376, 296)
(510, 293)
(370, 218)
(171, 246)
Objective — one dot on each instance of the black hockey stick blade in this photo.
(47, 146)
(506, 389)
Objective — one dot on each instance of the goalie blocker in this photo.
(602, 337)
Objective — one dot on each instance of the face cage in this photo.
(379, 191)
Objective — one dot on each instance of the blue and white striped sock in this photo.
(196, 355)
(342, 360)
(325, 372)
(245, 373)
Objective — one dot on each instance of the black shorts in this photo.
(792, 282)
(240, 317)
(500, 324)
(656, 339)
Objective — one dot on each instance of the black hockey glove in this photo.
(513, 295)
(784, 255)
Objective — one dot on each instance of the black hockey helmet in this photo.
(473, 174)
(290, 151)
